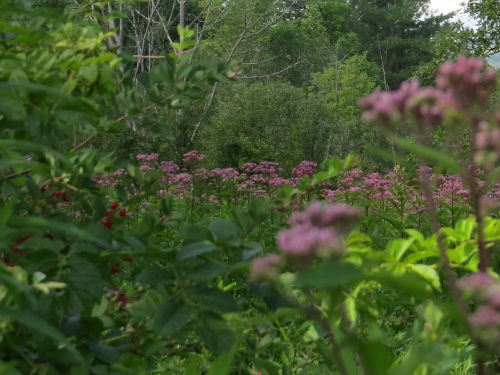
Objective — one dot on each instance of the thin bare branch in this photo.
(274, 73)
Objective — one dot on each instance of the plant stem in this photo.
(430, 205)
(476, 198)
(480, 367)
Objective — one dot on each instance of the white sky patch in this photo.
(445, 6)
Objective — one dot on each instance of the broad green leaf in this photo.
(224, 230)
(462, 253)
(415, 234)
(397, 248)
(428, 273)
(155, 275)
(216, 300)
(100, 308)
(6, 211)
(215, 333)
(222, 365)
(171, 317)
(194, 249)
(466, 226)
(375, 356)
(33, 322)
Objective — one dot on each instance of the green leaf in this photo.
(171, 317)
(215, 333)
(222, 365)
(398, 248)
(330, 274)
(415, 234)
(194, 249)
(350, 310)
(410, 284)
(155, 275)
(461, 254)
(6, 211)
(435, 156)
(89, 72)
(223, 230)
(39, 325)
(428, 273)
(100, 309)
(115, 14)
(216, 300)
(466, 226)
(375, 356)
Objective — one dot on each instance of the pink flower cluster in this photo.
(317, 231)
(110, 179)
(465, 82)
(305, 168)
(485, 321)
(193, 155)
(427, 105)
(467, 79)
(394, 191)
(451, 190)
(147, 158)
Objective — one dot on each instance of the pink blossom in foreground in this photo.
(315, 230)
(476, 284)
(265, 268)
(307, 240)
(467, 79)
(485, 316)
(325, 216)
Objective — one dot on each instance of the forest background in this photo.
(299, 65)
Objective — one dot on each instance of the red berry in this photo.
(24, 238)
(114, 205)
(129, 259)
(109, 213)
(122, 297)
(106, 223)
(114, 270)
(65, 197)
(46, 187)
(117, 264)
(56, 194)
(123, 212)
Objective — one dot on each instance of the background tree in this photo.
(396, 35)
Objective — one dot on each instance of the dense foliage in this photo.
(157, 217)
